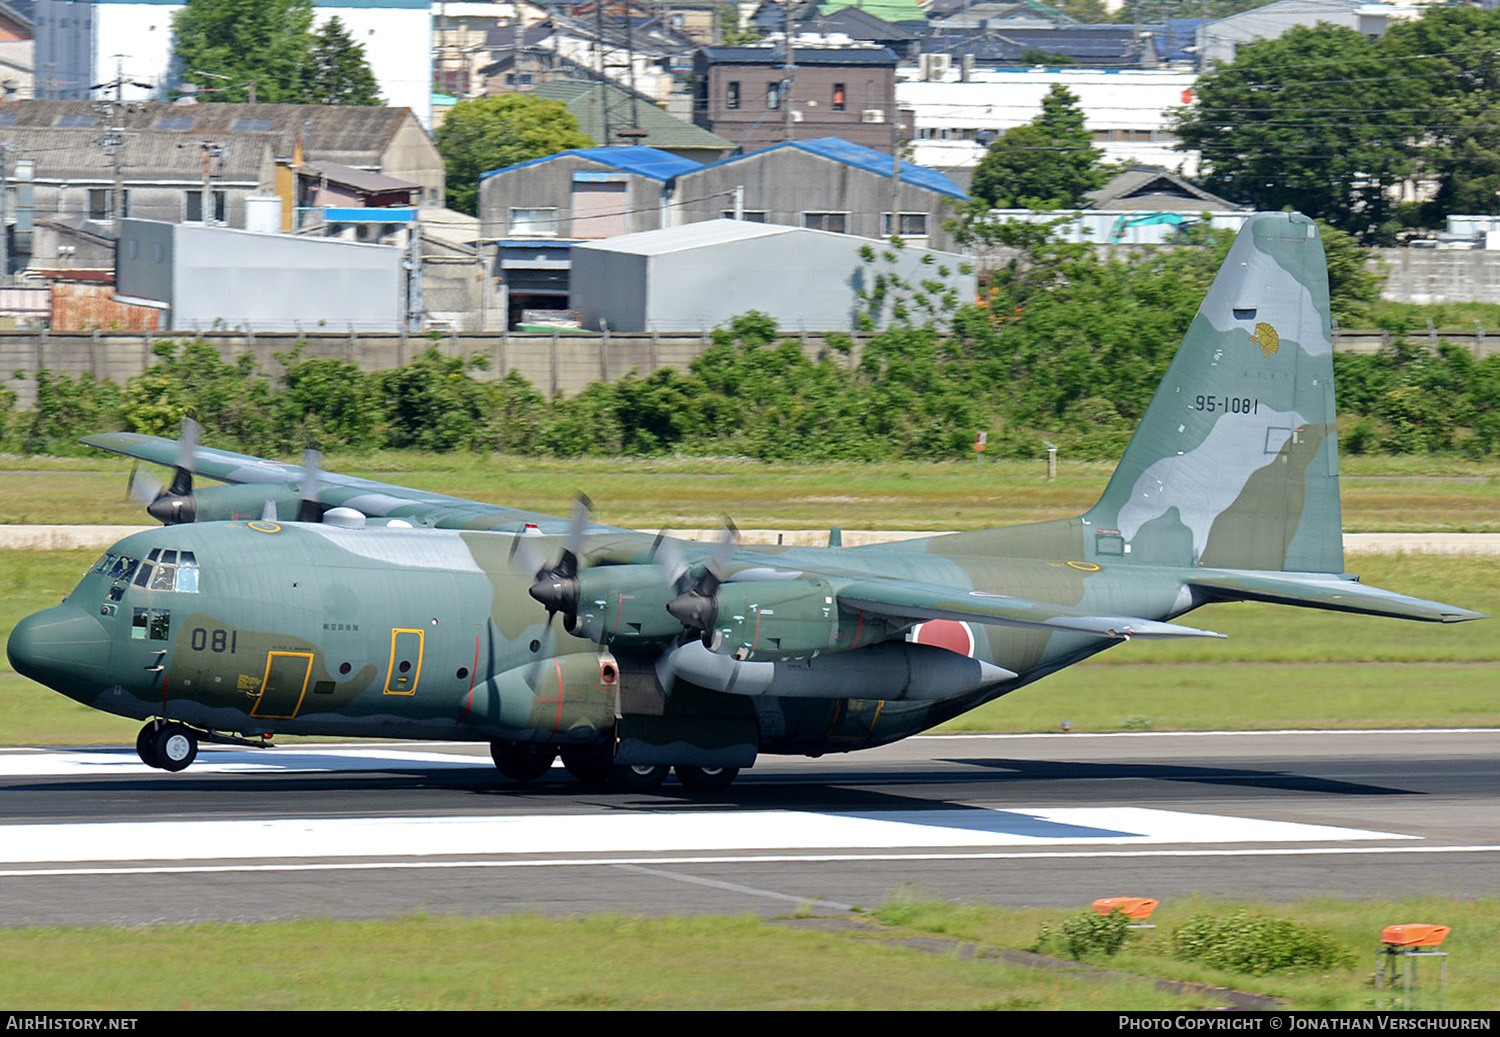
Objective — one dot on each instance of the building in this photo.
(700, 276)
(828, 184)
(580, 194)
(205, 277)
(754, 97)
(127, 44)
(1128, 111)
(608, 114)
(1220, 39)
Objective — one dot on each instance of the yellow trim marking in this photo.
(265, 527)
(1088, 567)
(390, 670)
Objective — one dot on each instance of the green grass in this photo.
(522, 962)
(620, 962)
(1391, 494)
(1473, 963)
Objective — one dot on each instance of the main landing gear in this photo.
(524, 761)
(167, 747)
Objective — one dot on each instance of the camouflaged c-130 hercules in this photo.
(391, 612)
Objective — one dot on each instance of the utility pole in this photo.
(788, 133)
(212, 149)
(5, 147)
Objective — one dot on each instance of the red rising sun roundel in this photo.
(945, 633)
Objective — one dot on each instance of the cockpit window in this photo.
(116, 567)
(163, 570)
(166, 570)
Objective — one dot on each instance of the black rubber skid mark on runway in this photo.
(1061, 770)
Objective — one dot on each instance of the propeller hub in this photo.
(557, 593)
(695, 610)
(171, 509)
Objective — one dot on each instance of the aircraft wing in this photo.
(908, 600)
(334, 490)
(1324, 591)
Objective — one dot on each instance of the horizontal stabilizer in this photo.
(907, 600)
(1321, 591)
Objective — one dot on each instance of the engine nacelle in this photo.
(789, 619)
(625, 605)
(567, 698)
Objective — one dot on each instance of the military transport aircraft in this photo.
(301, 602)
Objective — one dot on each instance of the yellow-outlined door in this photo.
(284, 685)
(406, 661)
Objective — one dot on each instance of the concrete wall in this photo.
(560, 363)
(1438, 275)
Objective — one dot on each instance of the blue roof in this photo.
(868, 159)
(627, 158)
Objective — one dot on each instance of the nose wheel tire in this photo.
(522, 761)
(174, 747)
(638, 778)
(706, 779)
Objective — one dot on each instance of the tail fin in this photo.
(1235, 463)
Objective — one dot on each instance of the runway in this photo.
(94, 837)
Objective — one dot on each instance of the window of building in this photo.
(193, 212)
(773, 96)
(748, 215)
(732, 94)
(838, 222)
(175, 122)
(913, 225)
(838, 97)
(251, 125)
(533, 223)
(99, 207)
(76, 121)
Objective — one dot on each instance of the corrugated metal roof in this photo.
(690, 236)
(802, 55)
(837, 149)
(662, 130)
(642, 161)
(349, 134)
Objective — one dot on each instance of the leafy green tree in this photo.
(234, 49)
(1448, 64)
(1049, 163)
(337, 72)
(264, 42)
(1302, 122)
(494, 132)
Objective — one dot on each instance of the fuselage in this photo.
(265, 627)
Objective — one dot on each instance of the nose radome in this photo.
(60, 645)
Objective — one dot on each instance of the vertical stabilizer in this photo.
(1235, 463)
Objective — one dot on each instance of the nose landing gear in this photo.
(167, 747)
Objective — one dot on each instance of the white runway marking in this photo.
(94, 763)
(636, 832)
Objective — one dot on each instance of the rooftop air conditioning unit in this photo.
(872, 115)
(934, 67)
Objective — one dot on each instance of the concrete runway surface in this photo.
(92, 836)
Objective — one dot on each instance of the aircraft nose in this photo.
(60, 647)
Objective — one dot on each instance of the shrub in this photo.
(1087, 933)
(1255, 943)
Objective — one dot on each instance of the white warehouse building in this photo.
(1127, 110)
(80, 44)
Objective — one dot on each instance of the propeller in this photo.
(555, 585)
(697, 607)
(312, 508)
(175, 504)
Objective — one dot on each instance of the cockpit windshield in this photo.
(163, 570)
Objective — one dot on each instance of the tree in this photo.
(1449, 64)
(1048, 163)
(1303, 122)
(494, 132)
(266, 49)
(264, 43)
(337, 72)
